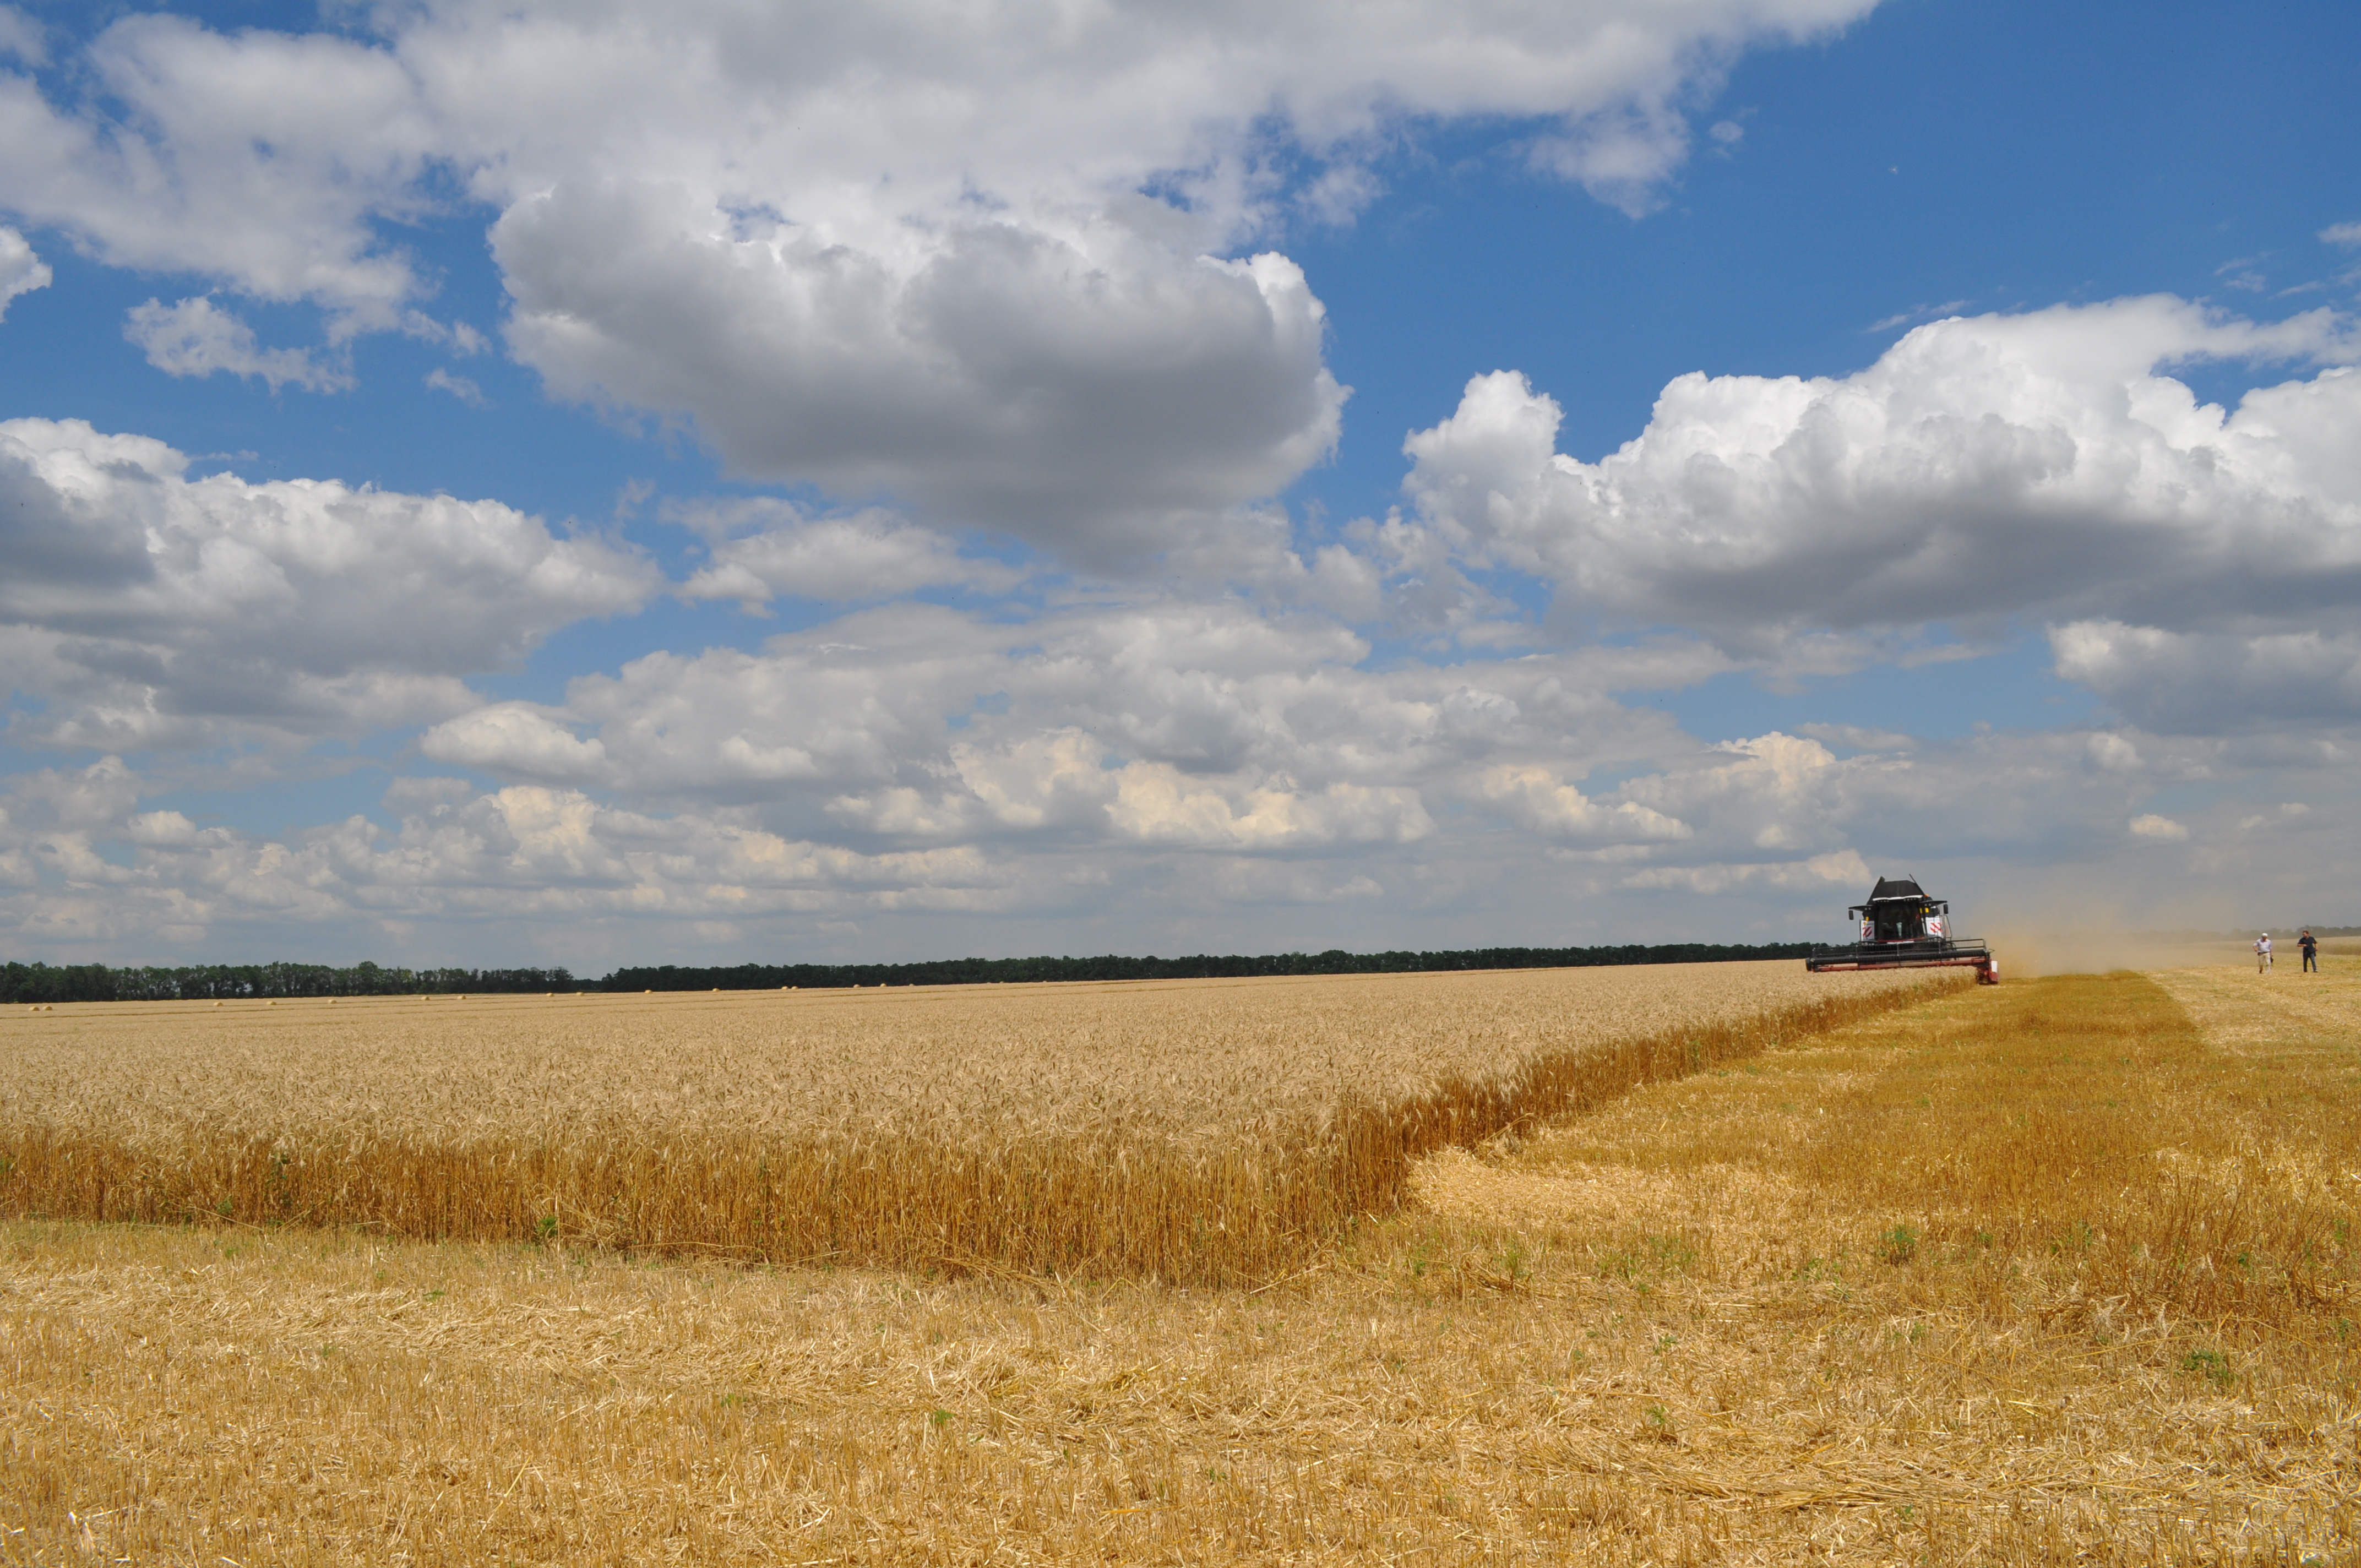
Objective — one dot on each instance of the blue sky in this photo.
(527, 483)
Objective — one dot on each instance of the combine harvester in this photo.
(1901, 927)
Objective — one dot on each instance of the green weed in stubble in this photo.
(2211, 1365)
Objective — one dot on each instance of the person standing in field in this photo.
(2263, 953)
(2310, 951)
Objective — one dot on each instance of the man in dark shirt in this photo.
(2310, 951)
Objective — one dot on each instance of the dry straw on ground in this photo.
(2049, 1274)
(1193, 1131)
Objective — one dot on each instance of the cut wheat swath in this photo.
(1204, 1131)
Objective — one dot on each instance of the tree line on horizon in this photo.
(42, 982)
(229, 983)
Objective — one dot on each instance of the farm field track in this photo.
(1201, 1129)
(2056, 1272)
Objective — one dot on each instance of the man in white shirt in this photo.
(2263, 953)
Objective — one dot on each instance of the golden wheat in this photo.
(1190, 1130)
(1834, 1305)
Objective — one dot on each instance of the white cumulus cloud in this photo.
(462, 388)
(257, 158)
(784, 552)
(21, 271)
(1537, 799)
(2044, 465)
(515, 738)
(1089, 391)
(1841, 868)
(2198, 682)
(2161, 830)
(151, 608)
(197, 337)
(1992, 465)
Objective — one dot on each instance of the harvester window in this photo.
(1901, 923)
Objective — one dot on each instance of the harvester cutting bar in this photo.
(1971, 954)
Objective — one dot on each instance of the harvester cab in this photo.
(1901, 927)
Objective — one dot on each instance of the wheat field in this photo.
(1198, 1131)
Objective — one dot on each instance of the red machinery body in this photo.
(1901, 927)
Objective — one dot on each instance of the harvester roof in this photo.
(1895, 887)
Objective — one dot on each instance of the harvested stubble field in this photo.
(2061, 1273)
(1200, 1131)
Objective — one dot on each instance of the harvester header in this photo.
(1901, 927)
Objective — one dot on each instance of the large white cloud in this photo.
(2044, 465)
(1091, 391)
(151, 608)
(1983, 466)
(262, 158)
(998, 261)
